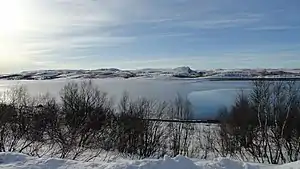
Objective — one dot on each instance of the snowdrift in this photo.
(21, 161)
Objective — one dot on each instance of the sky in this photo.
(133, 34)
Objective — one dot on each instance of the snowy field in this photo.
(206, 96)
(20, 161)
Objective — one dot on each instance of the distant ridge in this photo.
(179, 72)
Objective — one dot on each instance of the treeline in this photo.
(85, 124)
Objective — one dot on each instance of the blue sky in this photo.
(130, 34)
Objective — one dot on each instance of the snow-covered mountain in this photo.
(179, 72)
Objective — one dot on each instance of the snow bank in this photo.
(20, 161)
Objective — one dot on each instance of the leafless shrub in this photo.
(265, 126)
(180, 133)
(22, 123)
(83, 120)
(137, 134)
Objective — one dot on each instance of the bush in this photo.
(136, 133)
(265, 125)
(83, 121)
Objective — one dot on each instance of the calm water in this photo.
(206, 96)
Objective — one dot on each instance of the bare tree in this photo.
(137, 134)
(85, 115)
(264, 126)
(180, 133)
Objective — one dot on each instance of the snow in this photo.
(21, 161)
(179, 72)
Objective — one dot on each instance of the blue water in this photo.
(207, 97)
(207, 104)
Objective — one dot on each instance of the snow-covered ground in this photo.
(179, 72)
(21, 161)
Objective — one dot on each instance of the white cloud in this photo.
(273, 28)
(57, 30)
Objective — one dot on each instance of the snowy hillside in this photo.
(179, 72)
(20, 161)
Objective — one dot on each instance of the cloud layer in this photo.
(152, 33)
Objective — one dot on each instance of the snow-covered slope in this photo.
(179, 72)
(20, 161)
